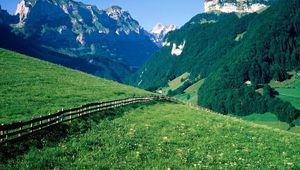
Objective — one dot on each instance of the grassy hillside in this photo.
(289, 90)
(163, 136)
(30, 88)
(271, 120)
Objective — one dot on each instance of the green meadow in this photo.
(168, 136)
(30, 87)
(289, 90)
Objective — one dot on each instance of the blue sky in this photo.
(147, 12)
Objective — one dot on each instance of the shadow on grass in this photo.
(56, 134)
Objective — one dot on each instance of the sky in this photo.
(146, 12)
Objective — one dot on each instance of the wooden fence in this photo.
(9, 132)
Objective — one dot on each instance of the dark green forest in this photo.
(206, 44)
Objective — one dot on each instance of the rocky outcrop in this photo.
(240, 6)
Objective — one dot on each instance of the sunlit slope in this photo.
(162, 136)
(289, 90)
(30, 87)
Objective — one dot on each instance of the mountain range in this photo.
(110, 40)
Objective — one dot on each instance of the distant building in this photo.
(248, 83)
(160, 91)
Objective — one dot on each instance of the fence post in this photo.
(49, 119)
(40, 122)
(20, 130)
(70, 116)
(1, 133)
(63, 115)
(6, 136)
(57, 118)
(31, 125)
(80, 110)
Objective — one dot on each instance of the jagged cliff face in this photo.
(241, 6)
(79, 29)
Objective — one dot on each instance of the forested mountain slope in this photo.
(270, 49)
(205, 44)
(236, 54)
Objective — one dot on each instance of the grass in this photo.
(270, 120)
(289, 91)
(192, 91)
(168, 136)
(30, 87)
(290, 83)
(177, 82)
(190, 94)
(195, 87)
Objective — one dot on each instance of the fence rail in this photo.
(9, 132)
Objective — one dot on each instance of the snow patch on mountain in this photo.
(22, 11)
(65, 8)
(80, 39)
(114, 12)
(177, 50)
(166, 44)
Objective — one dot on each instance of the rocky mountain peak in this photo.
(159, 31)
(240, 6)
(115, 12)
(160, 28)
(22, 11)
